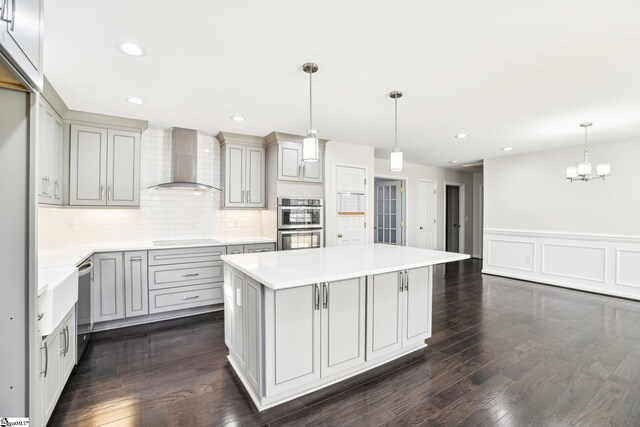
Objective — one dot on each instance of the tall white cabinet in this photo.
(243, 170)
(50, 138)
(104, 167)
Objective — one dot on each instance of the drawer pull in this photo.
(193, 297)
(191, 275)
(135, 258)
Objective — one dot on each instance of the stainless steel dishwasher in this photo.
(84, 317)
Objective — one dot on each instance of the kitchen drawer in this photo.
(175, 275)
(185, 297)
(261, 247)
(237, 249)
(186, 255)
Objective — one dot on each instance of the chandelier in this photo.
(583, 171)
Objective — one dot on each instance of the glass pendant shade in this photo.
(584, 168)
(572, 172)
(603, 169)
(310, 148)
(395, 161)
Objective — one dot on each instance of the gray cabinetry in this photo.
(21, 38)
(292, 168)
(243, 171)
(136, 286)
(50, 149)
(104, 167)
(108, 291)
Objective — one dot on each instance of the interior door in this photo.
(384, 302)
(343, 325)
(417, 306)
(427, 214)
(350, 225)
(388, 212)
(88, 160)
(453, 219)
(123, 168)
(255, 176)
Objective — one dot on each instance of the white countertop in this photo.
(288, 269)
(69, 257)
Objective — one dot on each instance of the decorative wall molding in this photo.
(606, 264)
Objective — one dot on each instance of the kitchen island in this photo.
(298, 321)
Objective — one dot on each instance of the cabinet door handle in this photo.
(325, 295)
(68, 339)
(248, 196)
(193, 297)
(40, 316)
(406, 280)
(109, 195)
(13, 15)
(55, 189)
(44, 185)
(316, 296)
(46, 360)
(135, 258)
(191, 275)
(401, 280)
(101, 191)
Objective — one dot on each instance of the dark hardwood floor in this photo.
(503, 352)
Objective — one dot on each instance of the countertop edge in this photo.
(337, 277)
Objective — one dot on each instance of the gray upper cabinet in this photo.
(243, 171)
(50, 150)
(292, 168)
(21, 38)
(104, 167)
(108, 287)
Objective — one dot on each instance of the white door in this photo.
(88, 165)
(289, 161)
(350, 227)
(255, 184)
(136, 286)
(343, 325)
(427, 214)
(384, 314)
(417, 306)
(51, 377)
(296, 339)
(234, 176)
(388, 213)
(108, 291)
(123, 168)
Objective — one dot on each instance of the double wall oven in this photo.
(300, 223)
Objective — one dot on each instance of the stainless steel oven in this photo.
(299, 213)
(300, 223)
(300, 239)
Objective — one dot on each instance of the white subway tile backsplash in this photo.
(162, 215)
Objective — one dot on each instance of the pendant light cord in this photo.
(396, 123)
(310, 102)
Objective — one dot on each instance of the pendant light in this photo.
(395, 160)
(310, 142)
(583, 171)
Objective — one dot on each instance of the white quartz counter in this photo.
(287, 269)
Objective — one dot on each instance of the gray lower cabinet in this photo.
(108, 287)
(57, 359)
(136, 285)
(181, 297)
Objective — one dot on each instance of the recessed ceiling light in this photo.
(135, 100)
(453, 162)
(237, 118)
(462, 135)
(507, 148)
(130, 48)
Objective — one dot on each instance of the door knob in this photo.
(339, 236)
(421, 228)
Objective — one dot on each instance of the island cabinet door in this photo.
(252, 337)
(292, 338)
(238, 324)
(384, 314)
(229, 308)
(417, 306)
(343, 325)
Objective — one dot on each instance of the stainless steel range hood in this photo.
(184, 163)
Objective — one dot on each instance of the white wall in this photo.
(353, 155)
(414, 172)
(541, 227)
(478, 220)
(162, 214)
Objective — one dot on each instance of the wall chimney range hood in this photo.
(184, 163)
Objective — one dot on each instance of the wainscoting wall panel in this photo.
(607, 264)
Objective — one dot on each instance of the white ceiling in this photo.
(512, 73)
